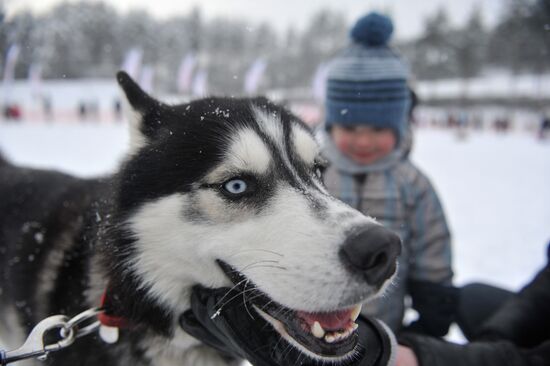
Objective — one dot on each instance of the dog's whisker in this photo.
(266, 266)
(259, 295)
(282, 312)
(278, 341)
(293, 274)
(257, 250)
(287, 350)
(298, 360)
(263, 308)
(244, 301)
(229, 291)
(251, 265)
(234, 297)
(239, 293)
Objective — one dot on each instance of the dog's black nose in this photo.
(373, 252)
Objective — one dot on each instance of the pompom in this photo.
(373, 29)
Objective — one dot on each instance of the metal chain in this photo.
(69, 330)
(75, 324)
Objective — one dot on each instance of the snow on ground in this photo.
(495, 188)
(496, 192)
(84, 149)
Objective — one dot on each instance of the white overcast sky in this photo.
(408, 15)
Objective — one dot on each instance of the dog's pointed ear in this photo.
(139, 105)
(138, 99)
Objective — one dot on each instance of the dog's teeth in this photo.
(355, 326)
(355, 313)
(343, 335)
(338, 336)
(317, 330)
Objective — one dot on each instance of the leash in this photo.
(68, 330)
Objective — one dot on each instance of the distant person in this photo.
(6, 112)
(502, 124)
(47, 108)
(544, 131)
(117, 109)
(462, 123)
(82, 110)
(12, 112)
(452, 121)
(367, 140)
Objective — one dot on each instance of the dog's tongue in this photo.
(329, 321)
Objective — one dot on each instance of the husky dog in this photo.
(215, 187)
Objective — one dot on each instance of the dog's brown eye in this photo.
(235, 186)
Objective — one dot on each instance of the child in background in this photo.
(366, 141)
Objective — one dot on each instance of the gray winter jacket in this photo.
(398, 195)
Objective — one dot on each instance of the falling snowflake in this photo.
(39, 237)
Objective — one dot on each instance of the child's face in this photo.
(364, 144)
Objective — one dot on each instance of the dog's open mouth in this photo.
(327, 336)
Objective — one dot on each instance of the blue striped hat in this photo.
(367, 82)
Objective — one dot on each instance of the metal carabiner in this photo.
(34, 346)
(76, 323)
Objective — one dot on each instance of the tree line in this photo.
(75, 40)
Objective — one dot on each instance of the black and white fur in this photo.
(157, 227)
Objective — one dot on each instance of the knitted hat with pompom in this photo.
(367, 82)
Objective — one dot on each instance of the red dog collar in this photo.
(110, 320)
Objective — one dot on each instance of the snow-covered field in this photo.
(496, 192)
(495, 188)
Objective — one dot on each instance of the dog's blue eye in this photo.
(319, 168)
(235, 186)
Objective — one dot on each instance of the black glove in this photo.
(435, 351)
(238, 331)
(436, 305)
